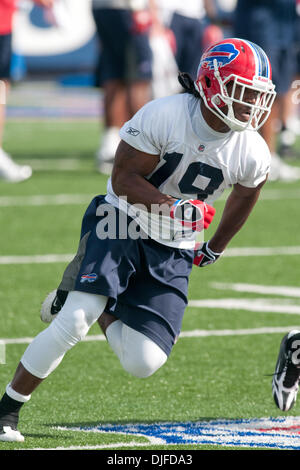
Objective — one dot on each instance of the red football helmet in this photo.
(229, 72)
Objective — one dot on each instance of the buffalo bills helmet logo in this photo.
(223, 53)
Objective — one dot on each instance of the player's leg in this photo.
(139, 72)
(9, 170)
(138, 354)
(45, 353)
(113, 36)
(142, 326)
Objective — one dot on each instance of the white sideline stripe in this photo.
(277, 194)
(229, 253)
(253, 305)
(262, 251)
(46, 200)
(183, 334)
(46, 164)
(61, 199)
(258, 289)
(103, 446)
(35, 259)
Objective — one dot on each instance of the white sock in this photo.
(15, 395)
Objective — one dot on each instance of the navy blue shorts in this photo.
(5, 55)
(123, 55)
(188, 33)
(273, 31)
(146, 282)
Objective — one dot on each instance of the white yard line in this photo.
(229, 253)
(258, 289)
(61, 199)
(262, 251)
(116, 445)
(36, 259)
(46, 164)
(45, 200)
(252, 305)
(184, 334)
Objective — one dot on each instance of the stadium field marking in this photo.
(262, 251)
(116, 445)
(77, 199)
(258, 289)
(268, 433)
(35, 259)
(183, 334)
(46, 164)
(230, 253)
(45, 200)
(252, 305)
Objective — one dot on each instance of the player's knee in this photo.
(143, 364)
(77, 315)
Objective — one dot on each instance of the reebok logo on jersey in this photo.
(132, 131)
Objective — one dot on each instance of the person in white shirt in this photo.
(124, 72)
(139, 242)
(188, 21)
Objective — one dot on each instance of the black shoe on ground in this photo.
(285, 381)
(9, 418)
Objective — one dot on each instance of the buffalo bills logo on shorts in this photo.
(223, 53)
(88, 277)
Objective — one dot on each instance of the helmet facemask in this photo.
(235, 90)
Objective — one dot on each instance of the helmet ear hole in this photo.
(207, 81)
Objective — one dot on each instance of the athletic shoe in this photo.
(10, 171)
(106, 153)
(285, 381)
(7, 434)
(52, 305)
(281, 171)
(8, 424)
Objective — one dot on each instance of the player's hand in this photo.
(192, 213)
(204, 255)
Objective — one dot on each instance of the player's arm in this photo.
(128, 179)
(237, 209)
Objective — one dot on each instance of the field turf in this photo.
(221, 372)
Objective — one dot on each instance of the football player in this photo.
(138, 243)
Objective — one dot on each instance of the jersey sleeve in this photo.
(256, 162)
(148, 128)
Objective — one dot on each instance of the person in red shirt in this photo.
(9, 170)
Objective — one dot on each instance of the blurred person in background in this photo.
(188, 21)
(125, 67)
(128, 69)
(9, 170)
(271, 25)
(292, 121)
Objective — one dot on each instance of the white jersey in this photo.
(189, 8)
(196, 162)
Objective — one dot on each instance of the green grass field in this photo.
(223, 373)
